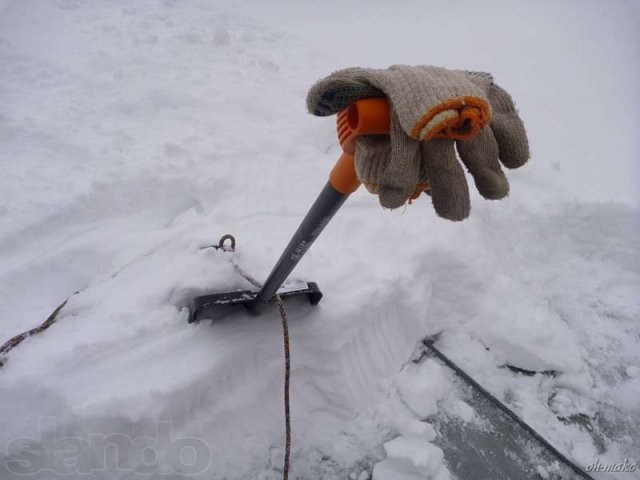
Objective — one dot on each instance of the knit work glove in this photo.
(431, 107)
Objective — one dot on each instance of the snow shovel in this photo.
(369, 116)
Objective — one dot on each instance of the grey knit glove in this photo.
(431, 107)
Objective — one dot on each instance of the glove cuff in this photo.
(433, 102)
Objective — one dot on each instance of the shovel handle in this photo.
(367, 116)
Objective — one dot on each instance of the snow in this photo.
(411, 458)
(134, 134)
(422, 386)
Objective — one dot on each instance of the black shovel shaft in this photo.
(321, 212)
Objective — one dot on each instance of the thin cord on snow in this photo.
(248, 277)
(287, 367)
(510, 413)
(17, 340)
(287, 374)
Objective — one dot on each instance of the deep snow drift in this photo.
(134, 134)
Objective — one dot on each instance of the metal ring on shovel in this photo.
(223, 239)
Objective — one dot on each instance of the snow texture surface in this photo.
(135, 133)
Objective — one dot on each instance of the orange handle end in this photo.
(367, 116)
(343, 175)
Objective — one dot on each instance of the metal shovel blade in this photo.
(217, 305)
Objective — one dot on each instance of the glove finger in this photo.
(480, 156)
(508, 129)
(449, 189)
(402, 172)
(372, 155)
(339, 90)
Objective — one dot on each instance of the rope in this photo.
(510, 413)
(287, 375)
(18, 339)
(287, 367)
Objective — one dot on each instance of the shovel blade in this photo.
(216, 305)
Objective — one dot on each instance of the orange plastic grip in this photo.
(368, 116)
